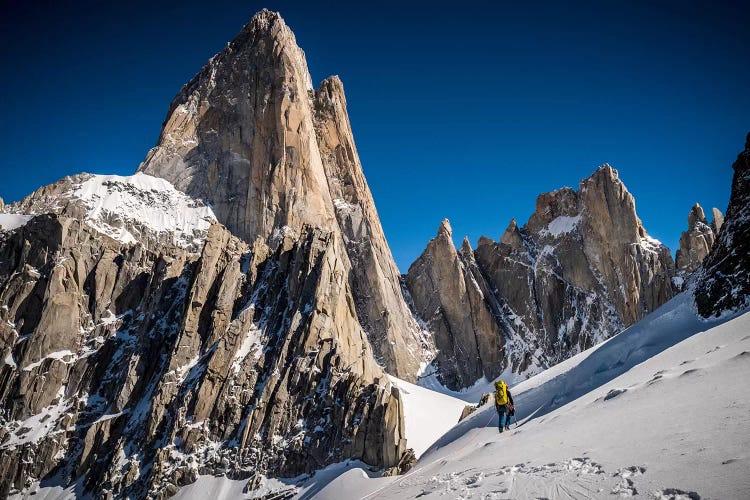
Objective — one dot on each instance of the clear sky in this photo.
(466, 110)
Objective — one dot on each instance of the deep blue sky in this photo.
(465, 110)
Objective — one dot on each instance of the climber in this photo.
(503, 405)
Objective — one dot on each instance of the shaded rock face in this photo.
(723, 284)
(374, 276)
(580, 270)
(696, 242)
(449, 295)
(250, 137)
(138, 369)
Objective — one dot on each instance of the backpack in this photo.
(501, 393)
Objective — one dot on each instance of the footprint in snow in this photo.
(614, 393)
(656, 378)
(675, 494)
(690, 372)
(633, 470)
(625, 488)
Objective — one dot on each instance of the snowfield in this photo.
(427, 414)
(661, 410)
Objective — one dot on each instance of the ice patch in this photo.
(36, 427)
(251, 343)
(562, 225)
(58, 355)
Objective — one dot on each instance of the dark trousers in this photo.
(503, 414)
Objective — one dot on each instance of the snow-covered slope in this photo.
(119, 206)
(661, 409)
(427, 414)
(127, 208)
(8, 222)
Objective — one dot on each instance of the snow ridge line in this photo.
(397, 482)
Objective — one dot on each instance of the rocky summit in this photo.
(580, 270)
(697, 241)
(249, 136)
(232, 308)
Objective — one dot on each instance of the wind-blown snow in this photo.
(118, 206)
(8, 222)
(563, 224)
(427, 414)
(660, 410)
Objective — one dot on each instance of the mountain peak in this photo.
(266, 22)
(445, 229)
(717, 220)
(512, 236)
(466, 246)
(266, 17)
(696, 215)
(604, 173)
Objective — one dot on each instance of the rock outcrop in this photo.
(696, 242)
(580, 270)
(250, 137)
(723, 283)
(469, 409)
(446, 290)
(408, 460)
(136, 369)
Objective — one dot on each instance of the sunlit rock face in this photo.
(580, 270)
(250, 137)
(697, 241)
